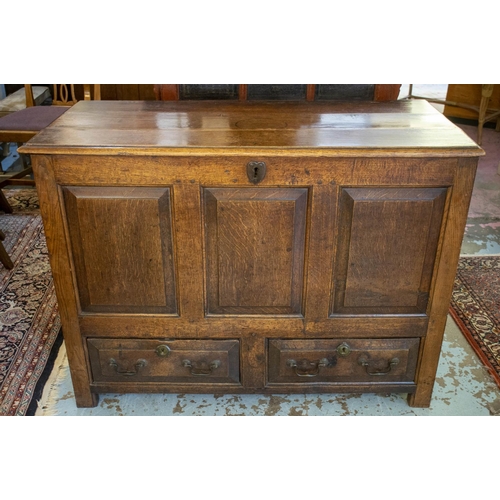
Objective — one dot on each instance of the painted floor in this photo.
(463, 386)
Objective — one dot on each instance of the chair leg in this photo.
(4, 204)
(4, 256)
(5, 153)
(25, 159)
(486, 92)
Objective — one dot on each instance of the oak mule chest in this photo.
(253, 247)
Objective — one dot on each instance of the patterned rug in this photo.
(29, 319)
(475, 307)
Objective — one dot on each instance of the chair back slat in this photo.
(64, 95)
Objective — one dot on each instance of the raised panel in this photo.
(388, 239)
(255, 243)
(121, 238)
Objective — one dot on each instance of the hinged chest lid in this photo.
(409, 127)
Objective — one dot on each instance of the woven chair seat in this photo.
(35, 118)
(17, 101)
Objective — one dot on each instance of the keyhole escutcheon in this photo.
(256, 171)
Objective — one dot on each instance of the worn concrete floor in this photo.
(463, 386)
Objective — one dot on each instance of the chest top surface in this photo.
(283, 128)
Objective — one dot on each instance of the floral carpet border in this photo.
(475, 308)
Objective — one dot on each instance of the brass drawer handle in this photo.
(363, 361)
(202, 368)
(306, 368)
(141, 363)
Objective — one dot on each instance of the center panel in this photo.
(254, 254)
(251, 248)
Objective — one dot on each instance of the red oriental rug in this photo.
(475, 307)
(29, 319)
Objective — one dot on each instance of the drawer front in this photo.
(179, 361)
(342, 360)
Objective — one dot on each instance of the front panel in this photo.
(255, 247)
(322, 252)
(121, 240)
(388, 239)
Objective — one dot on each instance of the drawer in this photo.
(342, 360)
(178, 361)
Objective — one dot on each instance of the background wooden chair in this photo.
(22, 125)
(484, 114)
(16, 100)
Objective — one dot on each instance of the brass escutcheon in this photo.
(343, 349)
(163, 350)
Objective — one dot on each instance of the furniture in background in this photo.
(477, 96)
(17, 100)
(119, 92)
(22, 125)
(149, 92)
(237, 247)
(285, 92)
(472, 102)
(127, 92)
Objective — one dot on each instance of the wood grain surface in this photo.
(256, 238)
(95, 127)
(158, 233)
